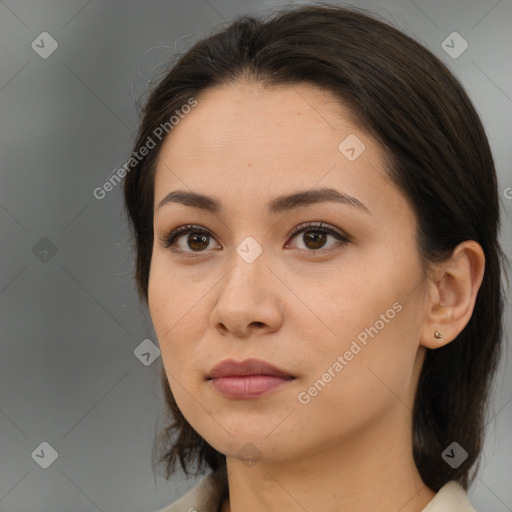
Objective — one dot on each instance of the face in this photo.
(327, 290)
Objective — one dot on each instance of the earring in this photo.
(437, 335)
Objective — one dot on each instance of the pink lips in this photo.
(247, 379)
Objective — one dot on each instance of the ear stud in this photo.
(437, 335)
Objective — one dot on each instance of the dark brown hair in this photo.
(438, 156)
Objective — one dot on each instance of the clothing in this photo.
(210, 492)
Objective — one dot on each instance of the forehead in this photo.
(248, 109)
(246, 144)
(276, 128)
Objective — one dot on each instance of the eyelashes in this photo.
(203, 235)
(168, 240)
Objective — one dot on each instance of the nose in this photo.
(249, 300)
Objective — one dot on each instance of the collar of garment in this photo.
(210, 492)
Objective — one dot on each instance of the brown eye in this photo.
(315, 236)
(197, 241)
(315, 239)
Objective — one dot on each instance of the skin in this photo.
(299, 305)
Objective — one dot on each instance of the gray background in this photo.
(70, 319)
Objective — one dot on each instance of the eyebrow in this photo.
(279, 204)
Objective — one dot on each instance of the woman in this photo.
(315, 213)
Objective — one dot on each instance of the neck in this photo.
(374, 470)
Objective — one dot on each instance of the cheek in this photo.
(351, 383)
(166, 309)
(169, 299)
(178, 313)
(368, 318)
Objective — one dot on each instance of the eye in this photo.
(315, 236)
(199, 239)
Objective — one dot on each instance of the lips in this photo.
(248, 379)
(232, 368)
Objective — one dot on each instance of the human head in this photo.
(437, 156)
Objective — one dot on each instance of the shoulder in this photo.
(206, 496)
(451, 498)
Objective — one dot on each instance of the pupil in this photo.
(197, 238)
(315, 237)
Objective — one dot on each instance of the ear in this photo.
(453, 286)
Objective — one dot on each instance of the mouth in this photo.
(246, 368)
(248, 379)
(249, 386)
